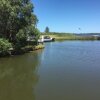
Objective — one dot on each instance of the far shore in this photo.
(70, 36)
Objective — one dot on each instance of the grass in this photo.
(61, 36)
(40, 46)
(69, 36)
(32, 48)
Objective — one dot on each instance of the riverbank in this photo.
(23, 50)
(70, 36)
(33, 48)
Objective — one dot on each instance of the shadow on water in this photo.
(18, 77)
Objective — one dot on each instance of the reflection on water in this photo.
(18, 77)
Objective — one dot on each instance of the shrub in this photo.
(5, 45)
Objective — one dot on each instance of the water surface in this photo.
(68, 70)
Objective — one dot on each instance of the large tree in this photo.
(16, 16)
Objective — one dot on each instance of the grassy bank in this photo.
(60, 36)
(33, 48)
(69, 36)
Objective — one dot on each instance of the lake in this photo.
(66, 70)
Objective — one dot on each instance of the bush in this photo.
(21, 38)
(5, 45)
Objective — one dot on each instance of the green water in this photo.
(68, 70)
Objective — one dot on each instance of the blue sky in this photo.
(68, 15)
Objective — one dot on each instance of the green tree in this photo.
(16, 16)
(47, 30)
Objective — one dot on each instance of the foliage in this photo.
(21, 38)
(47, 30)
(37, 34)
(33, 32)
(16, 16)
(5, 45)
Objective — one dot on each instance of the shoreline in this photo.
(26, 49)
(69, 36)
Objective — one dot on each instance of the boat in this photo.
(46, 39)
